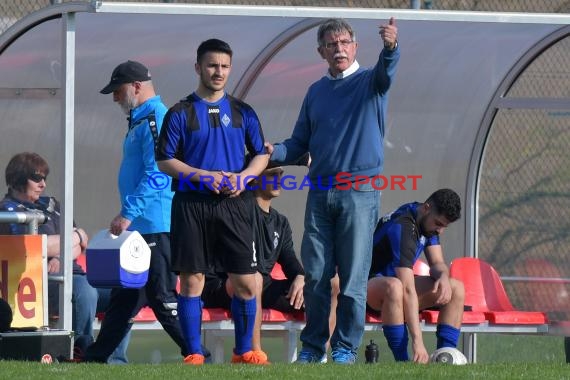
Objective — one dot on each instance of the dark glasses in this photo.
(37, 178)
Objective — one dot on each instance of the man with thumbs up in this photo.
(341, 123)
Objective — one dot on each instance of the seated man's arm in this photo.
(411, 312)
(286, 255)
(291, 266)
(439, 271)
(295, 294)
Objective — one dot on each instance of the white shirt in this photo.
(351, 70)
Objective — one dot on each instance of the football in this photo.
(46, 359)
(448, 355)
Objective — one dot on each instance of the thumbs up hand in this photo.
(389, 34)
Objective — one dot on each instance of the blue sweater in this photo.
(341, 123)
(147, 208)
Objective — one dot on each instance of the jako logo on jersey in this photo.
(213, 110)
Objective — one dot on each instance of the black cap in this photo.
(126, 72)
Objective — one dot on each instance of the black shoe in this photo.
(80, 348)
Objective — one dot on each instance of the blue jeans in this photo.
(86, 301)
(84, 304)
(339, 225)
(119, 356)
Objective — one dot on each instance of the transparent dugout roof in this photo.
(449, 74)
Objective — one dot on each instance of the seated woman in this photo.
(26, 176)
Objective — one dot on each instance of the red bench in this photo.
(492, 312)
(217, 325)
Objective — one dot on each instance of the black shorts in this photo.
(214, 293)
(211, 232)
(273, 296)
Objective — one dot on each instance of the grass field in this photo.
(281, 371)
(500, 357)
(156, 347)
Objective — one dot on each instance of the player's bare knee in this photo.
(191, 284)
(245, 286)
(246, 294)
(374, 294)
(457, 290)
(245, 291)
(394, 290)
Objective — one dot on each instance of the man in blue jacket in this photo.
(145, 207)
(341, 124)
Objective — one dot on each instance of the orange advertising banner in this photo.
(22, 278)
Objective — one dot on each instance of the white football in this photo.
(448, 355)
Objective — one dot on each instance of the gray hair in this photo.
(334, 25)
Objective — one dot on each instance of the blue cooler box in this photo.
(117, 261)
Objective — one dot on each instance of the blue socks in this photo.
(447, 336)
(397, 337)
(243, 312)
(190, 317)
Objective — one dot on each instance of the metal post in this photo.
(33, 227)
(415, 4)
(32, 219)
(470, 347)
(67, 138)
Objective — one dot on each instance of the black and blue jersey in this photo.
(398, 241)
(274, 243)
(210, 136)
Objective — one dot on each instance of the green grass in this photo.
(500, 357)
(156, 347)
(29, 370)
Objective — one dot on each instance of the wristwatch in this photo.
(387, 46)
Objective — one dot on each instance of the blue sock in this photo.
(190, 316)
(397, 337)
(243, 313)
(447, 336)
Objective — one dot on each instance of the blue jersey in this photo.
(398, 241)
(210, 136)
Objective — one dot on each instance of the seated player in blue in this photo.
(399, 240)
